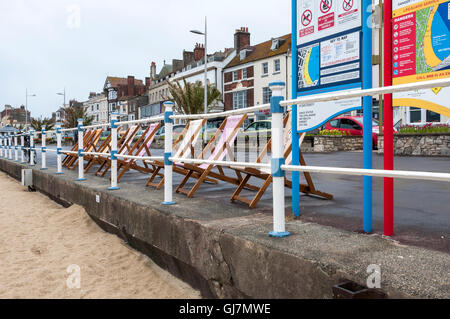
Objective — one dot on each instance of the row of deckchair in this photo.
(218, 148)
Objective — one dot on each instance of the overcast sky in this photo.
(46, 46)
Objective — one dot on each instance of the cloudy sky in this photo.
(47, 45)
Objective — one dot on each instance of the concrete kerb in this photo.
(227, 254)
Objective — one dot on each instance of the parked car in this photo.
(160, 135)
(258, 128)
(353, 125)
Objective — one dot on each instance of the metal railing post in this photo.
(58, 149)
(43, 149)
(279, 224)
(80, 151)
(1, 145)
(10, 146)
(31, 148)
(16, 149)
(22, 148)
(168, 165)
(114, 127)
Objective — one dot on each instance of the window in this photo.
(265, 68)
(244, 74)
(334, 123)
(277, 66)
(347, 124)
(267, 94)
(239, 100)
(235, 76)
(433, 117)
(415, 115)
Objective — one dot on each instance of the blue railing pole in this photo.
(32, 159)
(43, 149)
(367, 111)
(295, 135)
(80, 151)
(276, 110)
(58, 149)
(168, 165)
(114, 127)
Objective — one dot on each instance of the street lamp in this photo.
(26, 106)
(205, 138)
(63, 94)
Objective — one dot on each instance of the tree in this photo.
(74, 112)
(189, 98)
(37, 124)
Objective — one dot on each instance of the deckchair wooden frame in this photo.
(105, 147)
(204, 173)
(138, 147)
(126, 146)
(177, 169)
(91, 146)
(308, 189)
(71, 159)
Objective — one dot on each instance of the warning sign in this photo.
(318, 19)
(325, 5)
(307, 18)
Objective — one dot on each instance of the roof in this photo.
(262, 51)
(116, 81)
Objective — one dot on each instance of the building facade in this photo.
(247, 76)
(97, 107)
(15, 116)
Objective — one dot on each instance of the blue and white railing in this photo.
(278, 168)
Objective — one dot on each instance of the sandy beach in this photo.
(47, 251)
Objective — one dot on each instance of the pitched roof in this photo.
(115, 81)
(262, 51)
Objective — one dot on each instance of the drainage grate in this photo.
(352, 290)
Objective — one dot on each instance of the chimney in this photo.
(188, 58)
(153, 71)
(241, 39)
(92, 94)
(199, 52)
(130, 85)
(147, 82)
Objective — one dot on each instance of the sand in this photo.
(40, 241)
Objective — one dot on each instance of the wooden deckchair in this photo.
(228, 132)
(265, 174)
(105, 148)
(90, 146)
(183, 147)
(142, 149)
(70, 159)
(125, 147)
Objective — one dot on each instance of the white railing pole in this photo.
(58, 149)
(31, 148)
(168, 165)
(10, 139)
(16, 149)
(279, 225)
(43, 149)
(22, 148)
(114, 127)
(80, 151)
(1, 145)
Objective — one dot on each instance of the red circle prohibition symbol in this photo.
(325, 5)
(306, 18)
(347, 5)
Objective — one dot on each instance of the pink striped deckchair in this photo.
(228, 132)
(183, 147)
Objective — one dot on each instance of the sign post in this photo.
(328, 38)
